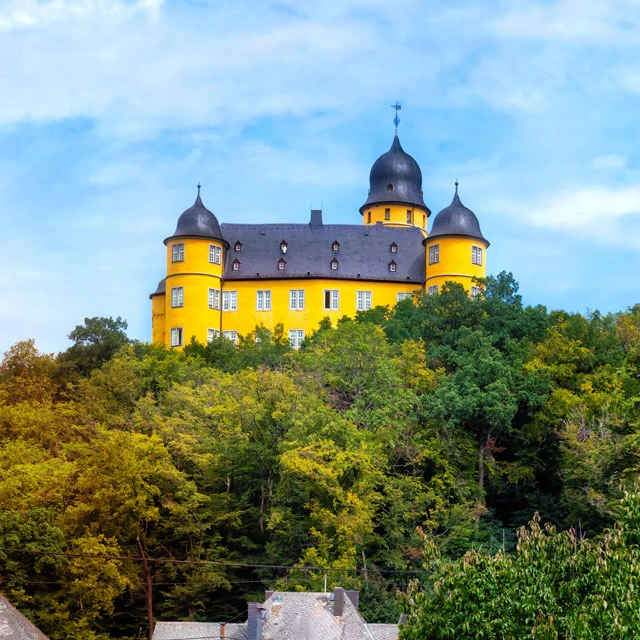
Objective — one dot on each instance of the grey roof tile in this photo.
(14, 626)
(457, 220)
(364, 250)
(197, 220)
(198, 631)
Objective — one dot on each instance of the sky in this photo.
(112, 111)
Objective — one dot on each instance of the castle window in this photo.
(211, 334)
(476, 292)
(387, 214)
(432, 290)
(334, 265)
(389, 187)
(283, 247)
(176, 336)
(281, 264)
(236, 265)
(263, 300)
(476, 255)
(214, 299)
(296, 336)
(231, 335)
(215, 254)
(229, 300)
(335, 246)
(403, 295)
(177, 252)
(177, 297)
(296, 299)
(238, 246)
(331, 299)
(393, 247)
(434, 254)
(408, 216)
(363, 300)
(368, 217)
(392, 266)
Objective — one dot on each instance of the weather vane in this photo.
(397, 106)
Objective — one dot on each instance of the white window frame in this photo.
(212, 333)
(403, 295)
(296, 299)
(263, 300)
(393, 266)
(433, 289)
(177, 252)
(475, 292)
(434, 254)
(214, 298)
(476, 255)
(296, 337)
(282, 263)
(177, 297)
(236, 265)
(231, 335)
(409, 216)
(334, 265)
(215, 254)
(364, 300)
(333, 297)
(177, 336)
(387, 214)
(393, 247)
(229, 300)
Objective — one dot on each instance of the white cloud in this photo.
(609, 162)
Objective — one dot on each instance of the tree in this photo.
(94, 343)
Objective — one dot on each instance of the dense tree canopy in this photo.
(141, 483)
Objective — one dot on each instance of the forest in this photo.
(411, 453)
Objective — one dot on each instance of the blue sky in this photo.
(111, 111)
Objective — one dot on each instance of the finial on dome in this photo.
(456, 187)
(396, 121)
(198, 189)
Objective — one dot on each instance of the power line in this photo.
(215, 563)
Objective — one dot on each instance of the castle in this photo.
(227, 279)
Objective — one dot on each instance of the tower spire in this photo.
(396, 121)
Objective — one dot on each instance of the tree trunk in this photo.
(147, 587)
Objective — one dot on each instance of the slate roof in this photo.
(198, 631)
(457, 220)
(197, 221)
(398, 169)
(14, 626)
(364, 250)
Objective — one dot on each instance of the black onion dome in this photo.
(395, 178)
(198, 221)
(457, 220)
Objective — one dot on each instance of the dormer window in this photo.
(389, 187)
(281, 264)
(238, 246)
(392, 266)
(336, 246)
(393, 247)
(236, 265)
(334, 265)
(283, 247)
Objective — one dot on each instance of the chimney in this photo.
(254, 622)
(223, 627)
(316, 218)
(338, 601)
(354, 596)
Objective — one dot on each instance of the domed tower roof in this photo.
(457, 220)
(395, 178)
(198, 221)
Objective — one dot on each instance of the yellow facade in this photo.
(456, 261)
(396, 215)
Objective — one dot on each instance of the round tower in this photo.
(455, 248)
(395, 191)
(193, 291)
